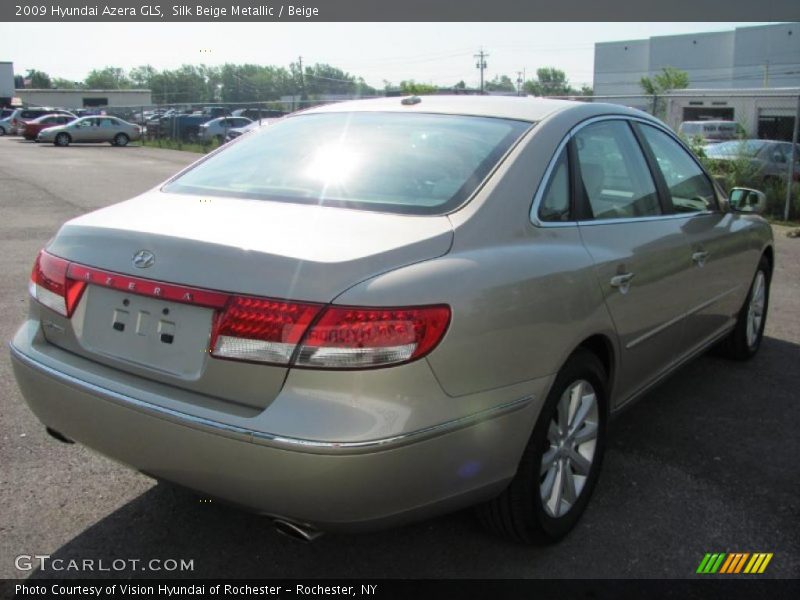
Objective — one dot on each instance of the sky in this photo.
(438, 53)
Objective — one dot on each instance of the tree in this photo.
(670, 78)
(500, 83)
(19, 82)
(417, 89)
(66, 84)
(39, 79)
(549, 82)
(108, 78)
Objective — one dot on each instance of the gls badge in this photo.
(143, 259)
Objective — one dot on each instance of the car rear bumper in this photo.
(331, 486)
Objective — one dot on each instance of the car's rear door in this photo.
(640, 253)
(718, 275)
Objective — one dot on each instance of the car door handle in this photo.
(622, 282)
(700, 258)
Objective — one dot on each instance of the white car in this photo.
(217, 129)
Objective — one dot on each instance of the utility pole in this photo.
(766, 74)
(520, 81)
(481, 64)
(302, 80)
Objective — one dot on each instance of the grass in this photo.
(169, 144)
(777, 221)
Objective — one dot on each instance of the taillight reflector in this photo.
(356, 337)
(51, 286)
(261, 329)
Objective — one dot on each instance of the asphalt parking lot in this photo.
(707, 462)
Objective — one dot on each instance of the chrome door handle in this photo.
(623, 282)
(700, 258)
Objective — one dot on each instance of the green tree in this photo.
(670, 78)
(108, 78)
(412, 87)
(19, 82)
(500, 83)
(39, 79)
(549, 82)
(66, 84)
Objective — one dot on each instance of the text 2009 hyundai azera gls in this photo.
(380, 310)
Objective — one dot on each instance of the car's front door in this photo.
(82, 130)
(718, 276)
(640, 252)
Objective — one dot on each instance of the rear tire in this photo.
(2, 131)
(62, 139)
(121, 140)
(560, 466)
(744, 340)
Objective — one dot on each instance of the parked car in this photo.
(5, 125)
(254, 114)
(217, 129)
(31, 129)
(711, 131)
(179, 126)
(22, 115)
(767, 160)
(92, 130)
(387, 309)
(235, 132)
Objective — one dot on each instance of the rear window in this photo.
(388, 162)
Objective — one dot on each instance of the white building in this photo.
(6, 83)
(72, 99)
(766, 56)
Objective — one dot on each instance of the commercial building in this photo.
(766, 56)
(73, 99)
(6, 83)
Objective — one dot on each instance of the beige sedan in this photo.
(92, 130)
(376, 311)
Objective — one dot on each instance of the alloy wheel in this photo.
(572, 438)
(755, 311)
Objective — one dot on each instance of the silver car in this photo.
(92, 129)
(381, 310)
(765, 160)
(217, 129)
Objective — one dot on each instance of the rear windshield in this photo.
(388, 162)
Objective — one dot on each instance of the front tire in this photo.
(744, 340)
(62, 139)
(560, 466)
(2, 131)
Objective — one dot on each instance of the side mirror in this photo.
(745, 200)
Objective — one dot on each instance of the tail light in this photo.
(352, 337)
(51, 286)
(267, 330)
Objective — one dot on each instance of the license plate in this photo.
(161, 335)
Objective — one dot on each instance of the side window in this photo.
(689, 188)
(554, 205)
(615, 176)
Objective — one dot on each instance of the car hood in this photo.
(283, 250)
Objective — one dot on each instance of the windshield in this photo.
(389, 162)
(738, 148)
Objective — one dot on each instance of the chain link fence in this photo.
(745, 138)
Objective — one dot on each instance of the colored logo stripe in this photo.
(721, 562)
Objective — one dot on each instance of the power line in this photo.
(481, 64)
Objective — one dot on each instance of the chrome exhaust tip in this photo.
(296, 531)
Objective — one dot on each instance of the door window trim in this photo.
(540, 190)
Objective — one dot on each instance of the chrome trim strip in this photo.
(534, 212)
(262, 437)
(679, 318)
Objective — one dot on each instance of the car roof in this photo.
(508, 107)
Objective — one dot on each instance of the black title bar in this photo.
(399, 10)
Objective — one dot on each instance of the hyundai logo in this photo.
(143, 259)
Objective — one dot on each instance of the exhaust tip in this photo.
(296, 531)
(59, 436)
